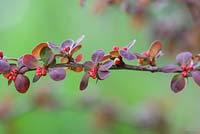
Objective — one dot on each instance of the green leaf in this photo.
(47, 55)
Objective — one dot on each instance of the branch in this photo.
(137, 68)
(122, 67)
(44, 60)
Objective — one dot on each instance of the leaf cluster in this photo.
(54, 60)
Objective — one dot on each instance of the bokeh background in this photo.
(128, 101)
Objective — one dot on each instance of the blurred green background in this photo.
(25, 23)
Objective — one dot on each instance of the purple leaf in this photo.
(23, 70)
(177, 83)
(36, 78)
(106, 65)
(30, 61)
(84, 81)
(4, 66)
(196, 77)
(66, 43)
(57, 74)
(170, 68)
(52, 45)
(184, 58)
(88, 65)
(22, 83)
(97, 56)
(20, 62)
(127, 55)
(103, 74)
(131, 44)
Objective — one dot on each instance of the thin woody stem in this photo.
(12, 59)
(136, 68)
(151, 69)
(122, 67)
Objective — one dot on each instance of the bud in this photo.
(184, 68)
(92, 74)
(44, 72)
(94, 69)
(190, 68)
(117, 61)
(67, 48)
(115, 48)
(124, 48)
(1, 54)
(15, 70)
(184, 74)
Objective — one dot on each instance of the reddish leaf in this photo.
(75, 49)
(4, 66)
(84, 82)
(57, 74)
(170, 68)
(184, 58)
(106, 57)
(38, 48)
(155, 48)
(115, 54)
(22, 83)
(97, 56)
(79, 57)
(30, 61)
(177, 83)
(196, 77)
(76, 69)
